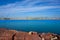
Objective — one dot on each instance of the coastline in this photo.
(6, 34)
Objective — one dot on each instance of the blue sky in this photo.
(29, 8)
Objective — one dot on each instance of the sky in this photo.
(29, 8)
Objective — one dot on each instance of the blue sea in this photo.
(32, 25)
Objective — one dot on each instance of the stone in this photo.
(19, 36)
(7, 34)
(33, 36)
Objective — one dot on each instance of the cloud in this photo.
(25, 6)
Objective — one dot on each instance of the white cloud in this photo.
(24, 6)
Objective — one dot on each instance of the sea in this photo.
(40, 26)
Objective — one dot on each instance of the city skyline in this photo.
(29, 8)
(32, 18)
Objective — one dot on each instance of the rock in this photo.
(28, 36)
(7, 34)
(48, 36)
(43, 36)
(33, 36)
(19, 35)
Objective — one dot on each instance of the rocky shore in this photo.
(19, 35)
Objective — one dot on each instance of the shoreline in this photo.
(35, 19)
(21, 35)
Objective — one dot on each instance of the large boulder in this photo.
(26, 36)
(19, 36)
(32, 36)
(7, 34)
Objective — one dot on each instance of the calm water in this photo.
(32, 25)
